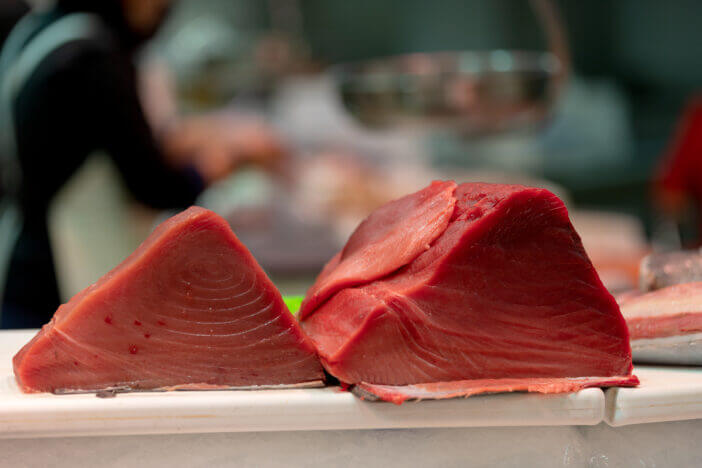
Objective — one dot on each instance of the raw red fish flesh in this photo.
(665, 324)
(384, 242)
(675, 310)
(398, 394)
(190, 308)
(503, 290)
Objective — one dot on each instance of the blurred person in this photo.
(68, 88)
(678, 180)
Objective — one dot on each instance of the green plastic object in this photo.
(293, 303)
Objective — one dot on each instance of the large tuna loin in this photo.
(665, 324)
(190, 308)
(458, 290)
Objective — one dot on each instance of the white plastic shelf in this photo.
(665, 394)
(47, 415)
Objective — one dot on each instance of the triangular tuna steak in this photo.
(505, 298)
(190, 308)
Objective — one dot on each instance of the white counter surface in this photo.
(666, 394)
(47, 415)
(311, 427)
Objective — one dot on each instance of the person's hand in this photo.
(219, 144)
(252, 142)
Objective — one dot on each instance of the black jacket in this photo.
(81, 98)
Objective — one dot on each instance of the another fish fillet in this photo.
(665, 324)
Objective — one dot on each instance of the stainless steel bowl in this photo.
(472, 92)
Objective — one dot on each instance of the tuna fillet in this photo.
(189, 308)
(391, 237)
(665, 324)
(503, 299)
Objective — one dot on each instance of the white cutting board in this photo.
(665, 394)
(47, 415)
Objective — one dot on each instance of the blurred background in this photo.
(587, 99)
